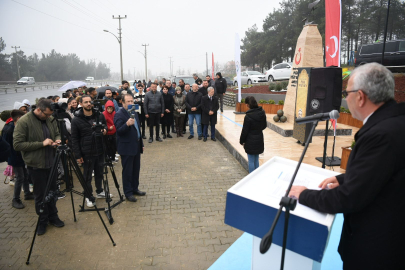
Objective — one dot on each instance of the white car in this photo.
(89, 79)
(26, 80)
(280, 71)
(250, 77)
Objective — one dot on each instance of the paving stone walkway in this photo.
(178, 225)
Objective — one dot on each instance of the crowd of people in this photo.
(122, 115)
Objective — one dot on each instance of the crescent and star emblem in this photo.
(295, 59)
(336, 46)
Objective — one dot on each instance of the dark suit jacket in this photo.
(371, 194)
(206, 106)
(127, 136)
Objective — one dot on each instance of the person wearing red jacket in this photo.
(110, 139)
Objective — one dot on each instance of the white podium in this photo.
(253, 202)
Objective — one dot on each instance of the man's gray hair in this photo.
(195, 75)
(210, 88)
(375, 80)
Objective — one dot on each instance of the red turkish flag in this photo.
(333, 22)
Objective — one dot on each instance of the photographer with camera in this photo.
(36, 136)
(87, 147)
(130, 147)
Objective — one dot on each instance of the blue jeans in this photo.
(197, 117)
(253, 161)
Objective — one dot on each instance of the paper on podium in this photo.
(253, 202)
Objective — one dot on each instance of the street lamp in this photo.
(119, 41)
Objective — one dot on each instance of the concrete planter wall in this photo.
(345, 157)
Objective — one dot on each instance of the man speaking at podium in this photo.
(371, 192)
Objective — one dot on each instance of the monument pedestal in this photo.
(308, 53)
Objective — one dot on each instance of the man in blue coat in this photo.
(130, 147)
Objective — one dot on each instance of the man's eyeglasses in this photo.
(346, 93)
(47, 115)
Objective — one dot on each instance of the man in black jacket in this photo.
(370, 193)
(87, 147)
(209, 107)
(193, 104)
(198, 81)
(220, 88)
(204, 89)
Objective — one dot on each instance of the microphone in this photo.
(318, 117)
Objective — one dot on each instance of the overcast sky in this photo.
(184, 30)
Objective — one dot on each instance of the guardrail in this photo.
(41, 85)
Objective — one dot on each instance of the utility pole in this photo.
(120, 41)
(146, 63)
(95, 68)
(170, 66)
(206, 61)
(16, 56)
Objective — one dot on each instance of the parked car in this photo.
(250, 77)
(281, 71)
(89, 79)
(26, 80)
(394, 54)
(228, 81)
(186, 78)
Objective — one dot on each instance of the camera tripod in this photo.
(64, 154)
(104, 161)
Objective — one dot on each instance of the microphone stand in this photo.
(289, 204)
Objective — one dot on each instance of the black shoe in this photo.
(159, 139)
(164, 137)
(41, 228)
(144, 137)
(131, 198)
(184, 132)
(205, 139)
(150, 140)
(139, 193)
(169, 136)
(213, 139)
(222, 110)
(17, 203)
(29, 196)
(199, 137)
(190, 137)
(56, 222)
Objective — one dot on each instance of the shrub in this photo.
(344, 110)
(281, 102)
(242, 100)
(279, 87)
(285, 85)
(262, 101)
(271, 101)
(272, 86)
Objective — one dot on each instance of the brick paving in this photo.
(178, 225)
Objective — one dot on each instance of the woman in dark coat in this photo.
(167, 119)
(179, 107)
(252, 135)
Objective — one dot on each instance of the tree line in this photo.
(53, 66)
(363, 21)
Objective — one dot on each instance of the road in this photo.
(7, 100)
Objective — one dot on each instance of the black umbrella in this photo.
(101, 91)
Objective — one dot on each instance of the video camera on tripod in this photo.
(97, 106)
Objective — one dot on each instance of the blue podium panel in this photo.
(253, 202)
